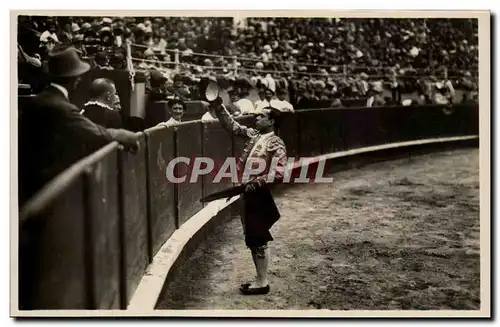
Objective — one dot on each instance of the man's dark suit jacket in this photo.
(102, 116)
(52, 136)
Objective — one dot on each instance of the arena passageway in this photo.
(402, 234)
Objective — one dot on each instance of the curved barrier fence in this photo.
(88, 237)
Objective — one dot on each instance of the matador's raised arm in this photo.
(232, 125)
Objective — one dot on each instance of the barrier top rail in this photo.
(180, 124)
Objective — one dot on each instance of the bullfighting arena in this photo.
(402, 234)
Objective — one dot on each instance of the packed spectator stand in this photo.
(327, 61)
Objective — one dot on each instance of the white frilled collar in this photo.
(95, 103)
(99, 104)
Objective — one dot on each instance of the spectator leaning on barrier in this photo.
(283, 104)
(375, 95)
(244, 104)
(103, 108)
(177, 109)
(52, 132)
(440, 95)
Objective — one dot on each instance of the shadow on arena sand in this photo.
(393, 235)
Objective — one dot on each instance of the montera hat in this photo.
(65, 62)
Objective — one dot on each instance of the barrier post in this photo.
(122, 271)
(235, 65)
(149, 231)
(130, 64)
(176, 60)
(88, 241)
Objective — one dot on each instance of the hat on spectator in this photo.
(78, 37)
(187, 53)
(75, 28)
(268, 48)
(208, 62)
(156, 78)
(320, 84)
(271, 83)
(377, 87)
(47, 36)
(65, 62)
(439, 85)
(148, 53)
(106, 21)
(86, 26)
(330, 82)
(406, 102)
(259, 65)
(105, 29)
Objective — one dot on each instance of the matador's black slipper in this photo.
(254, 290)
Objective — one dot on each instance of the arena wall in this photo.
(109, 232)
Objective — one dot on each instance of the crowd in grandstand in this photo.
(317, 59)
(285, 63)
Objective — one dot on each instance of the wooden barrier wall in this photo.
(87, 238)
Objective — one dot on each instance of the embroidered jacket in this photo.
(267, 147)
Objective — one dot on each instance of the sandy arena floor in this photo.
(396, 235)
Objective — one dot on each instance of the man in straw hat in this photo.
(52, 132)
(260, 212)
